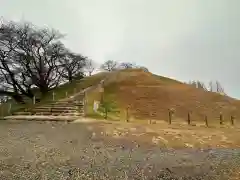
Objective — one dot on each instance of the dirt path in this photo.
(34, 150)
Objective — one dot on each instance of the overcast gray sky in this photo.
(181, 39)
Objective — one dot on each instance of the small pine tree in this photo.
(107, 107)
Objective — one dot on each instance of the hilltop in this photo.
(150, 96)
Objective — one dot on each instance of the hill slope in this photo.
(63, 91)
(151, 96)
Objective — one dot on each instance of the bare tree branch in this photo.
(72, 65)
(109, 65)
(90, 66)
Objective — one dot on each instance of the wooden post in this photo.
(102, 98)
(34, 100)
(206, 120)
(151, 116)
(2, 111)
(127, 114)
(85, 103)
(106, 113)
(169, 116)
(189, 118)
(53, 96)
(232, 120)
(101, 90)
(1, 108)
(221, 118)
(9, 108)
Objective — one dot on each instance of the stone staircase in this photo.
(68, 109)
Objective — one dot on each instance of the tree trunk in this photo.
(70, 78)
(43, 90)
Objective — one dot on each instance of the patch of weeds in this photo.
(108, 107)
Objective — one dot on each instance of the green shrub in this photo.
(107, 107)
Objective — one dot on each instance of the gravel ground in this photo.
(40, 150)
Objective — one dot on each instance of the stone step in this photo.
(56, 107)
(58, 114)
(42, 118)
(51, 113)
(54, 110)
(66, 103)
(22, 113)
(61, 107)
(71, 99)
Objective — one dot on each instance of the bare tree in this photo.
(201, 85)
(145, 69)
(220, 88)
(132, 65)
(215, 86)
(90, 66)
(29, 57)
(13, 81)
(198, 84)
(128, 65)
(72, 65)
(210, 86)
(109, 65)
(39, 52)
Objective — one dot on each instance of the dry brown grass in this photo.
(151, 96)
(175, 136)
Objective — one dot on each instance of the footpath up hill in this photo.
(151, 96)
